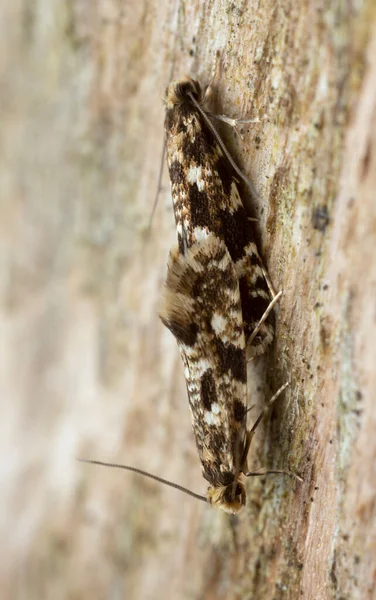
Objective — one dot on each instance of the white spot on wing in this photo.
(219, 323)
(200, 234)
(202, 366)
(211, 418)
(177, 156)
(195, 176)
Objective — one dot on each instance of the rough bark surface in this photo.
(86, 367)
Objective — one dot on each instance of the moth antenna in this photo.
(146, 474)
(159, 186)
(222, 145)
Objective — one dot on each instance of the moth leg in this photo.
(247, 445)
(256, 292)
(257, 303)
(268, 281)
(208, 92)
(264, 317)
(209, 88)
(262, 471)
(234, 123)
(252, 431)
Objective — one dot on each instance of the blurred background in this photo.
(86, 367)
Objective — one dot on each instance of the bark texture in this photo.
(86, 367)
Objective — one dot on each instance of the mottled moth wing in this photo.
(206, 200)
(201, 306)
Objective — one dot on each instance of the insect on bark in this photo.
(217, 298)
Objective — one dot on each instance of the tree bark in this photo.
(87, 369)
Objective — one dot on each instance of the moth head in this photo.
(230, 498)
(178, 92)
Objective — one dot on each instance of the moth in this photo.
(217, 299)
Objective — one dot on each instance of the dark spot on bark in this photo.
(333, 574)
(366, 160)
(321, 218)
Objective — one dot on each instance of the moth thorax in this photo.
(227, 498)
(177, 92)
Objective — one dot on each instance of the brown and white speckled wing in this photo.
(206, 201)
(201, 306)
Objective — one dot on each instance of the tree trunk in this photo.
(87, 368)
